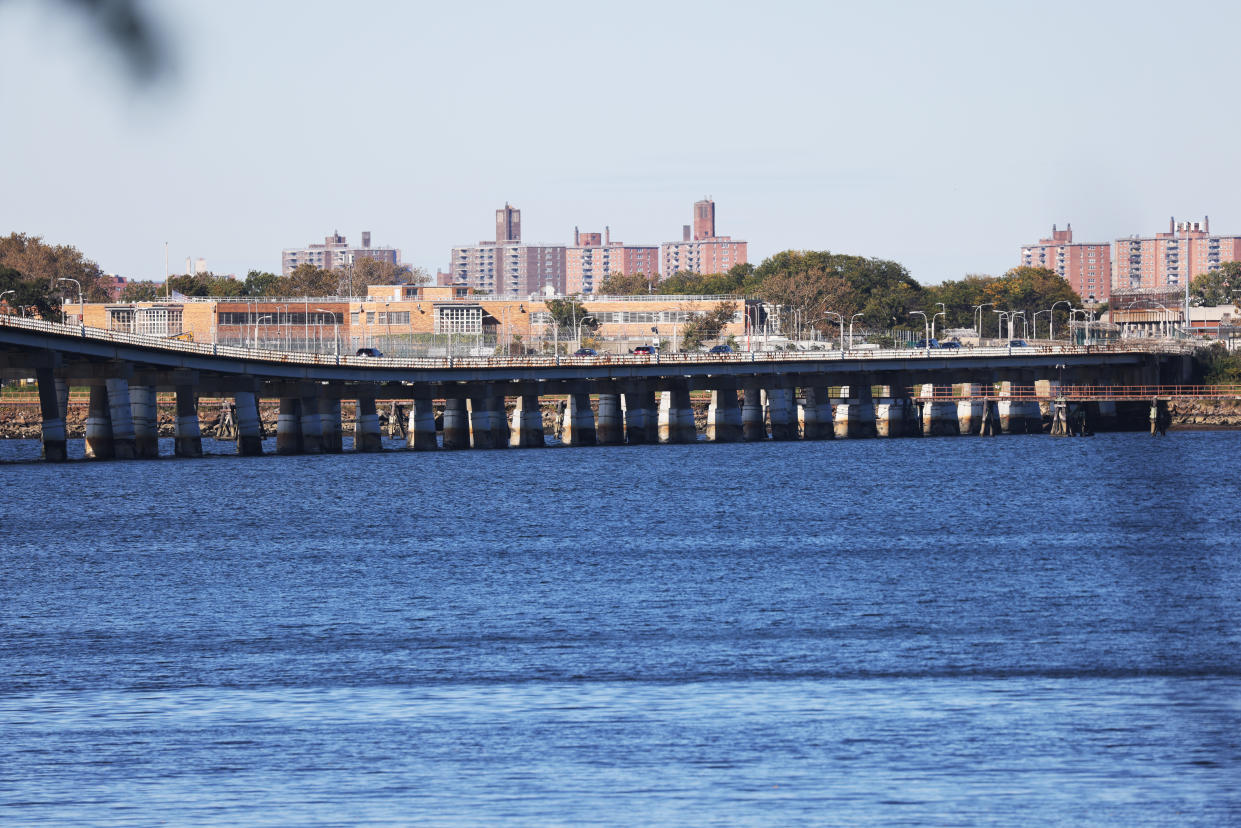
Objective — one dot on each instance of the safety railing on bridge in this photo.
(1045, 392)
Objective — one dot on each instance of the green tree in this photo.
(35, 259)
(142, 292)
(261, 283)
(1215, 287)
(354, 278)
(625, 284)
(568, 314)
(29, 294)
(705, 326)
(308, 280)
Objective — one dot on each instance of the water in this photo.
(1019, 630)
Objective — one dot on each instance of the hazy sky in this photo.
(941, 135)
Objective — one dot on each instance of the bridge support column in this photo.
(249, 427)
(578, 428)
(724, 416)
(456, 423)
(188, 440)
(855, 415)
(312, 422)
(144, 409)
(638, 404)
(54, 443)
(896, 415)
(482, 435)
(753, 427)
(329, 418)
(1011, 412)
(289, 426)
(500, 434)
(939, 412)
(366, 432)
(779, 405)
(420, 435)
(609, 430)
(121, 416)
(815, 414)
(527, 430)
(98, 426)
(676, 417)
(969, 409)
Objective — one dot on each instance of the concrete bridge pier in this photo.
(939, 413)
(420, 435)
(609, 429)
(753, 427)
(312, 422)
(121, 417)
(500, 434)
(54, 443)
(855, 415)
(724, 416)
(779, 405)
(366, 433)
(896, 414)
(638, 406)
(815, 413)
(329, 417)
(456, 423)
(144, 409)
(527, 430)
(969, 409)
(1011, 412)
(188, 436)
(249, 427)
(676, 416)
(482, 434)
(98, 425)
(578, 427)
(289, 426)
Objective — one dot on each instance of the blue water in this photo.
(1018, 630)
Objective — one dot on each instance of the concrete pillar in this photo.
(121, 418)
(420, 436)
(676, 417)
(249, 428)
(855, 415)
(144, 409)
(527, 430)
(724, 416)
(969, 408)
(578, 428)
(939, 412)
(638, 405)
(456, 424)
(500, 434)
(753, 426)
(366, 433)
(778, 403)
(188, 437)
(289, 426)
(896, 414)
(312, 423)
(1011, 412)
(98, 426)
(329, 418)
(815, 414)
(54, 442)
(609, 430)
(482, 436)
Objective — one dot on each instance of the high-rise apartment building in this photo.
(507, 266)
(1086, 267)
(593, 257)
(335, 252)
(704, 252)
(1173, 258)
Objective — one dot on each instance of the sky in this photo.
(940, 135)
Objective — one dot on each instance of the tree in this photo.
(624, 284)
(1215, 286)
(308, 280)
(707, 325)
(367, 271)
(568, 314)
(35, 259)
(142, 292)
(29, 293)
(810, 284)
(261, 283)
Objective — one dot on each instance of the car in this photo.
(720, 349)
(585, 352)
(645, 350)
(1018, 343)
(370, 352)
(950, 344)
(922, 343)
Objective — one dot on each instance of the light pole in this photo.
(76, 282)
(1034, 322)
(336, 327)
(851, 318)
(841, 320)
(944, 313)
(258, 322)
(1004, 314)
(1051, 320)
(1025, 331)
(978, 313)
(582, 321)
(927, 327)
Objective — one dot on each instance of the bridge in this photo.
(638, 399)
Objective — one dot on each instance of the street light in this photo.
(1025, 331)
(336, 327)
(582, 321)
(76, 282)
(1034, 322)
(978, 313)
(1004, 314)
(258, 322)
(1051, 320)
(841, 320)
(851, 318)
(943, 313)
(926, 325)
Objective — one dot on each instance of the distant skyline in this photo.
(942, 136)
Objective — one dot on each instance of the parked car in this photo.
(921, 343)
(645, 350)
(585, 352)
(371, 352)
(952, 344)
(720, 349)
(1019, 343)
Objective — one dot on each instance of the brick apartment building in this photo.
(335, 252)
(703, 252)
(1168, 260)
(1086, 267)
(507, 266)
(594, 257)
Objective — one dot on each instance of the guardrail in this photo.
(263, 355)
(1078, 393)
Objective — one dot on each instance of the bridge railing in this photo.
(1082, 392)
(545, 360)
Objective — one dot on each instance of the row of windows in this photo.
(279, 318)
